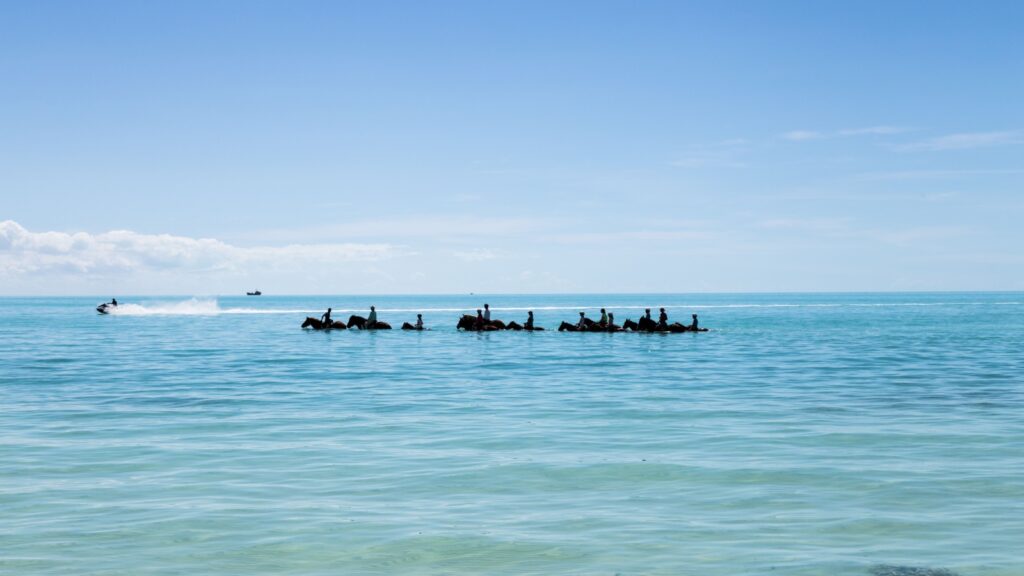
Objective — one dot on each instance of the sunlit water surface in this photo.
(803, 435)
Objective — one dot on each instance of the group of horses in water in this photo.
(354, 322)
(470, 323)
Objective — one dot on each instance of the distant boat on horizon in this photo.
(256, 293)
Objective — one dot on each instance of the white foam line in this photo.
(191, 307)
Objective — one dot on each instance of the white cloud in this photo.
(938, 174)
(917, 234)
(415, 229)
(705, 160)
(825, 225)
(617, 237)
(963, 141)
(846, 228)
(721, 154)
(873, 130)
(800, 135)
(25, 252)
(465, 198)
(475, 255)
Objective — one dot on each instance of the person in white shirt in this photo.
(487, 313)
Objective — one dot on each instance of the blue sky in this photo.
(405, 147)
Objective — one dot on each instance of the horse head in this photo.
(310, 321)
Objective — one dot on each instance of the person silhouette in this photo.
(662, 320)
(604, 318)
(479, 323)
(582, 324)
(487, 313)
(645, 323)
(113, 301)
(529, 320)
(372, 318)
(693, 325)
(419, 321)
(326, 318)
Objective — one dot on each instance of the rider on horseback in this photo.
(582, 324)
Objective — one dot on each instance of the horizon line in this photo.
(496, 294)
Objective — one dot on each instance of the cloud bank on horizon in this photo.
(24, 252)
(123, 256)
(762, 254)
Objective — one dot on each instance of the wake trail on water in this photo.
(192, 307)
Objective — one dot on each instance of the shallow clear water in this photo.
(805, 434)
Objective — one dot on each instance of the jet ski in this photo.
(106, 308)
(256, 293)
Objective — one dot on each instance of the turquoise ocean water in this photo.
(804, 435)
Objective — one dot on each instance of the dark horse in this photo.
(650, 326)
(360, 322)
(408, 326)
(468, 323)
(318, 325)
(517, 326)
(588, 326)
(642, 325)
